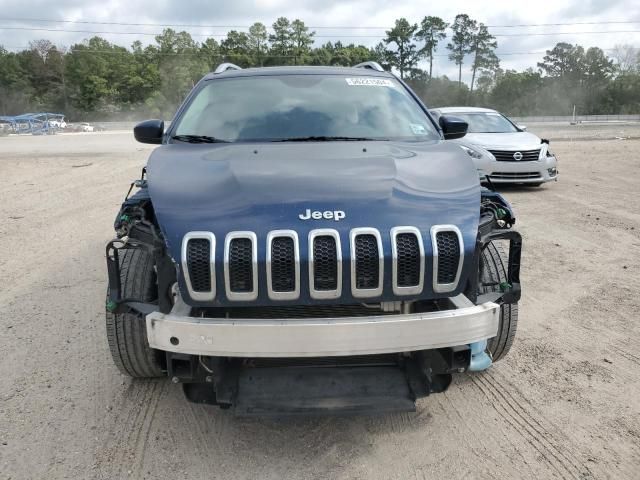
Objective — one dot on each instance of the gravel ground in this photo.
(564, 404)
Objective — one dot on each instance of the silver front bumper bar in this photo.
(324, 337)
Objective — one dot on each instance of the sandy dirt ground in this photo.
(564, 404)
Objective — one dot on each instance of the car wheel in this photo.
(127, 332)
(493, 272)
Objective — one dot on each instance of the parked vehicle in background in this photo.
(503, 150)
(58, 123)
(80, 127)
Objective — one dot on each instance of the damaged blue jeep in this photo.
(306, 240)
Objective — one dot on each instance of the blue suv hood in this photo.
(262, 187)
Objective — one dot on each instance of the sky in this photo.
(358, 21)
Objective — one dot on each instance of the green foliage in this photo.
(483, 46)
(518, 93)
(431, 33)
(281, 42)
(301, 40)
(235, 48)
(258, 43)
(99, 79)
(461, 43)
(340, 55)
(16, 92)
(439, 91)
(405, 56)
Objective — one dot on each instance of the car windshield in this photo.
(486, 122)
(299, 107)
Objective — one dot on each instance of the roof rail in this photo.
(371, 65)
(223, 67)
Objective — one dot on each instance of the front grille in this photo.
(408, 260)
(241, 265)
(280, 263)
(508, 155)
(515, 175)
(283, 265)
(367, 259)
(199, 264)
(325, 263)
(448, 256)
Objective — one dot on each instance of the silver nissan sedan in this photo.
(503, 150)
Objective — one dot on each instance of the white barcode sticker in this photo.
(369, 82)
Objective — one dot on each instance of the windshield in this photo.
(489, 122)
(314, 107)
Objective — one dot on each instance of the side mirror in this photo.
(522, 127)
(453, 127)
(149, 131)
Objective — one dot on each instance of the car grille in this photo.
(325, 263)
(408, 260)
(240, 265)
(515, 175)
(448, 256)
(508, 155)
(199, 261)
(367, 259)
(283, 264)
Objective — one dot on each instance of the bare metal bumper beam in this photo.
(341, 336)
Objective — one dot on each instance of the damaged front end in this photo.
(315, 359)
(136, 228)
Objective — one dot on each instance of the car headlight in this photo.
(471, 152)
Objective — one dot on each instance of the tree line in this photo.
(97, 79)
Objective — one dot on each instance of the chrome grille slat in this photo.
(447, 266)
(283, 265)
(201, 285)
(448, 256)
(366, 255)
(367, 262)
(241, 266)
(198, 261)
(408, 261)
(325, 264)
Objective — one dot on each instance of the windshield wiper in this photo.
(198, 139)
(322, 138)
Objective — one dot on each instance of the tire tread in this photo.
(495, 258)
(126, 332)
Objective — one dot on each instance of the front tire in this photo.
(493, 272)
(127, 332)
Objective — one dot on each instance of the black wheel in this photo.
(127, 332)
(493, 271)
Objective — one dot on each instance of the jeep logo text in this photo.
(336, 215)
